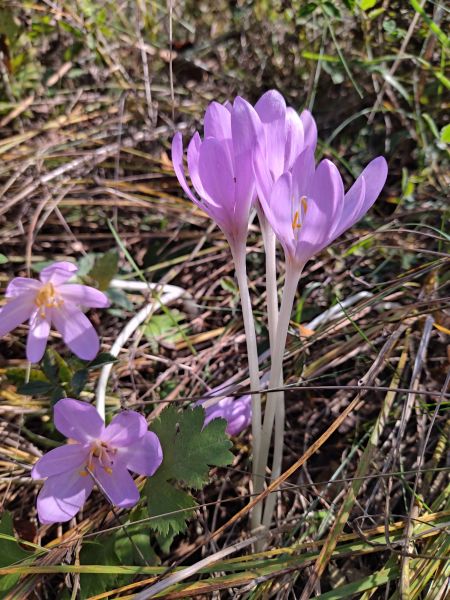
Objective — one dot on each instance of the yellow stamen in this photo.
(295, 222)
(108, 470)
(83, 473)
(304, 202)
(47, 297)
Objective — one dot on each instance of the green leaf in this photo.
(162, 499)
(3, 259)
(35, 388)
(367, 4)
(79, 381)
(99, 552)
(101, 360)
(104, 269)
(188, 448)
(165, 327)
(445, 134)
(10, 551)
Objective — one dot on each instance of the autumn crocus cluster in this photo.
(263, 156)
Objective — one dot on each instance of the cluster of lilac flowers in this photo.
(260, 157)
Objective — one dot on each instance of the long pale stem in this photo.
(269, 240)
(274, 398)
(239, 256)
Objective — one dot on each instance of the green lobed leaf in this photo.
(104, 269)
(188, 448)
(163, 498)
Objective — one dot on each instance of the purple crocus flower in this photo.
(53, 301)
(307, 207)
(100, 454)
(220, 166)
(237, 412)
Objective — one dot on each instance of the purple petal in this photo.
(280, 213)
(83, 295)
(217, 122)
(58, 272)
(20, 286)
(117, 485)
(325, 201)
(271, 109)
(76, 330)
(37, 336)
(15, 312)
(263, 177)
(177, 160)
(303, 171)
(216, 173)
(144, 456)
(353, 200)
(125, 429)
(193, 154)
(294, 138)
(60, 460)
(78, 420)
(62, 496)
(236, 411)
(310, 129)
(375, 175)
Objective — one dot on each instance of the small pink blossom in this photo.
(100, 454)
(237, 412)
(53, 301)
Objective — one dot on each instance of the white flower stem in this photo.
(269, 240)
(277, 398)
(168, 293)
(239, 255)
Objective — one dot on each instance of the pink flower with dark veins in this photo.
(99, 454)
(53, 301)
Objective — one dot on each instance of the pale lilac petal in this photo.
(303, 174)
(15, 312)
(58, 272)
(76, 330)
(21, 286)
(237, 412)
(280, 213)
(193, 155)
(310, 129)
(84, 295)
(177, 160)
(294, 138)
(271, 108)
(263, 177)
(353, 200)
(246, 128)
(65, 458)
(217, 122)
(78, 420)
(62, 496)
(125, 428)
(37, 336)
(325, 201)
(216, 173)
(375, 175)
(144, 456)
(118, 485)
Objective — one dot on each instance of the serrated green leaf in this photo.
(163, 499)
(104, 269)
(100, 552)
(10, 551)
(188, 448)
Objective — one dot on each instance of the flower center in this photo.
(101, 455)
(47, 297)
(300, 208)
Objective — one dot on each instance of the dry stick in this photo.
(343, 514)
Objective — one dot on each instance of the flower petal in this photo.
(177, 161)
(375, 175)
(15, 312)
(78, 420)
(303, 171)
(60, 460)
(62, 496)
(144, 456)
(58, 272)
(217, 122)
(117, 485)
(263, 177)
(76, 330)
(37, 336)
(294, 138)
(279, 214)
(237, 412)
(271, 108)
(353, 200)
(20, 286)
(125, 429)
(216, 173)
(84, 295)
(310, 129)
(193, 154)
